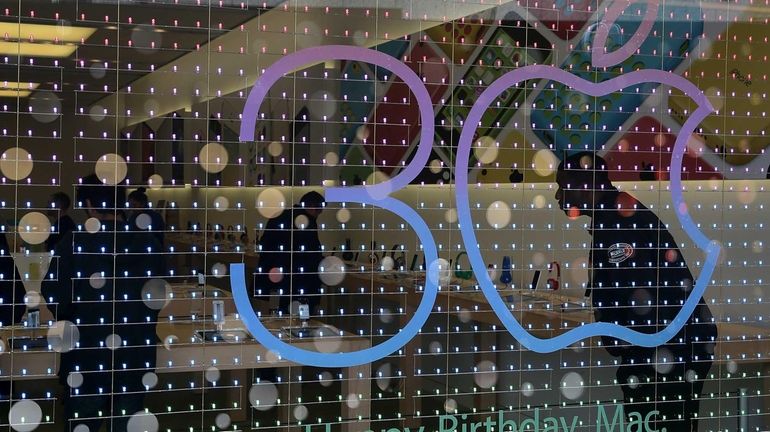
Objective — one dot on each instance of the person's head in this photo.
(98, 199)
(60, 203)
(582, 179)
(313, 203)
(138, 198)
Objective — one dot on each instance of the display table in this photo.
(543, 313)
(182, 350)
(191, 251)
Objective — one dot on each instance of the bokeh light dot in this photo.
(150, 380)
(572, 385)
(222, 420)
(498, 215)
(92, 225)
(485, 149)
(544, 163)
(271, 202)
(155, 181)
(111, 169)
(16, 163)
(34, 228)
(25, 415)
(331, 270)
(275, 149)
(213, 157)
(263, 395)
(142, 422)
(221, 203)
(331, 159)
(143, 221)
(343, 215)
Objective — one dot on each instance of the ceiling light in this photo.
(27, 49)
(41, 40)
(17, 89)
(44, 32)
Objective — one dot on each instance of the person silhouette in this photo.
(139, 204)
(60, 205)
(290, 252)
(639, 279)
(12, 307)
(97, 284)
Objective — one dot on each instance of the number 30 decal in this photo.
(379, 195)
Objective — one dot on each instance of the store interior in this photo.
(151, 95)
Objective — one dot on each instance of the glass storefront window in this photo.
(383, 216)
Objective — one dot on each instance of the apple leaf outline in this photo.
(711, 248)
(599, 56)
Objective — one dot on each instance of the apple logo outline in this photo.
(711, 248)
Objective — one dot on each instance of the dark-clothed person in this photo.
(290, 253)
(97, 282)
(64, 224)
(12, 306)
(640, 280)
(139, 205)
